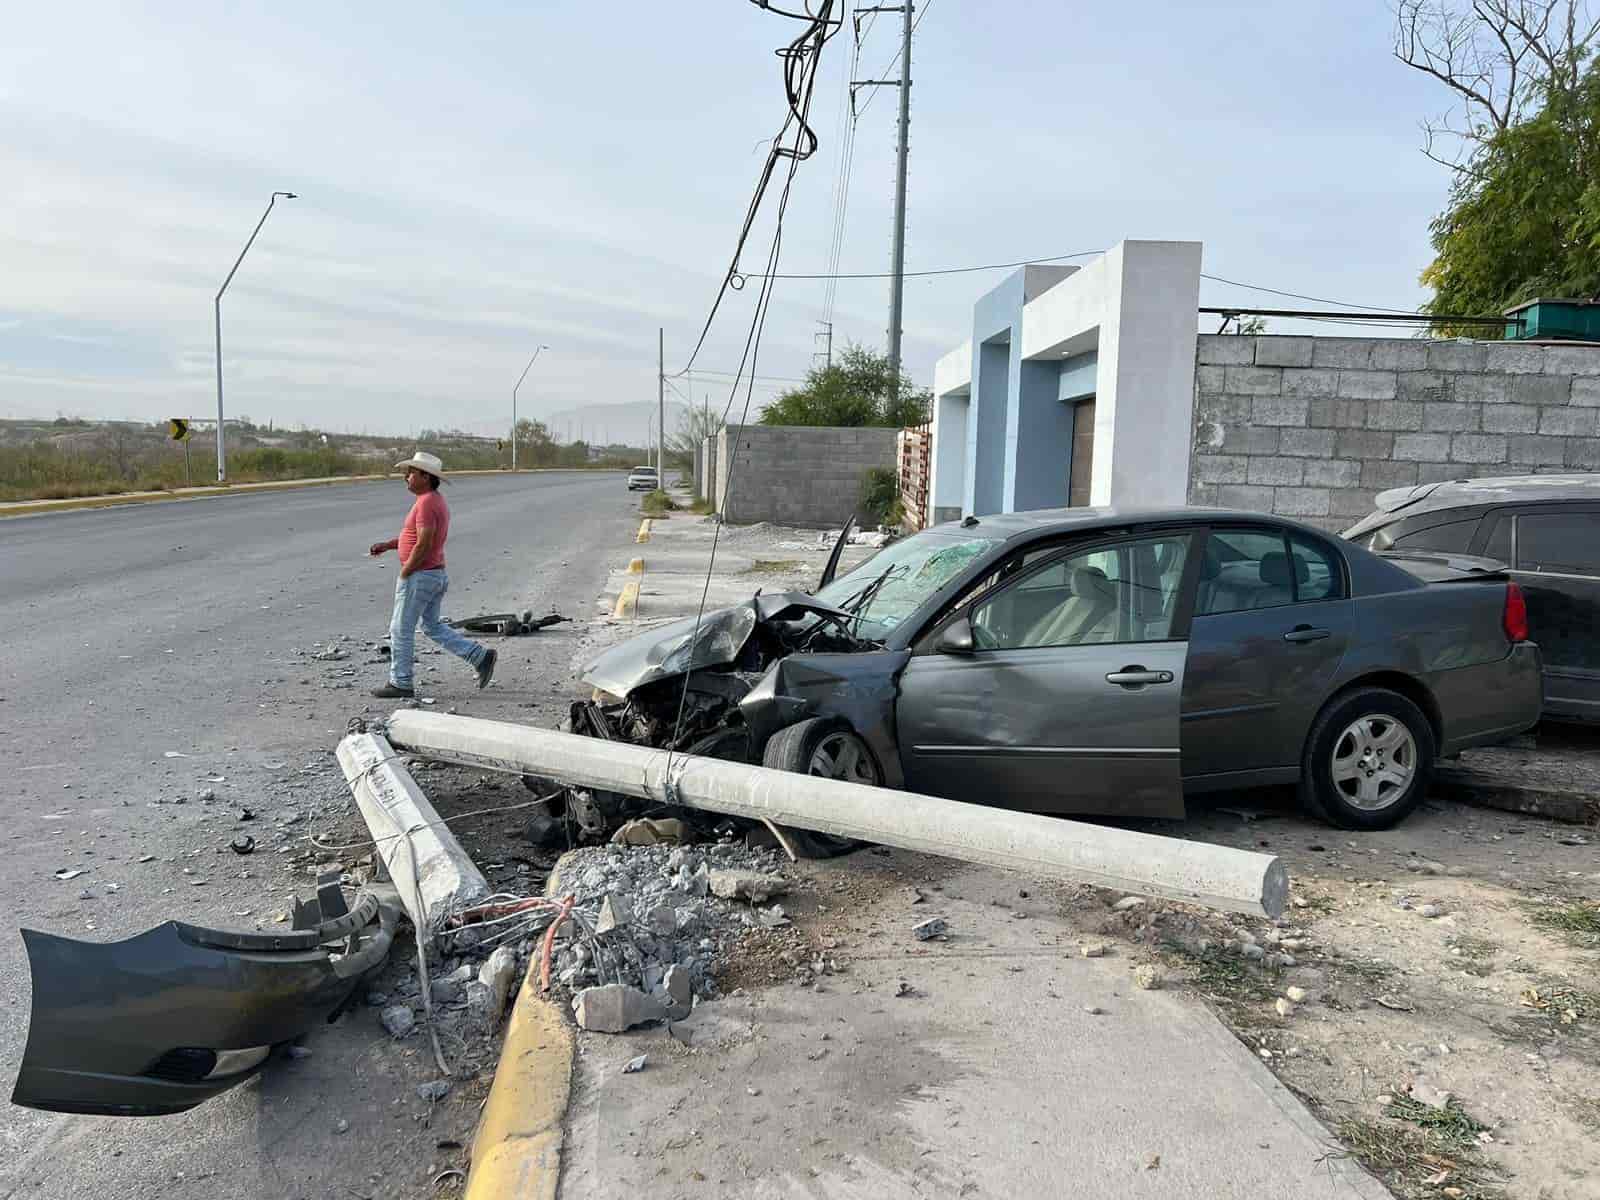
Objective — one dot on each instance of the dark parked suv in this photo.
(1546, 528)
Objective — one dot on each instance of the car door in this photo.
(1557, 557)
(1058, 690)
(1272, 620)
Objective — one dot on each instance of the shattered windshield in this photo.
(892, 584)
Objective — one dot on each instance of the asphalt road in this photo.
(137, 635)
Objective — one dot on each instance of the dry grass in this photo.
(1579, 922)
(1423, 1151)
(775, 566)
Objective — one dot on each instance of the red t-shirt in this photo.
(431, 512)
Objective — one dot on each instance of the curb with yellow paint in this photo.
(644, 531)
(628, 599)
(516, 1152)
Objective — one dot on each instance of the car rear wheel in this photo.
(1368, 760)
(833, 751)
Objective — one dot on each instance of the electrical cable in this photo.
(752, 347)
(800, 58)
(895, 61)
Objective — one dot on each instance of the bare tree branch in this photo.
(1503, 59)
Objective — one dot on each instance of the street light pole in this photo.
(520, 378)
(222, 459)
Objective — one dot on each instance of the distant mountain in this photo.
(607, 423)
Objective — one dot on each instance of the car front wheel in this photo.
(1368, 760)
(832, 750)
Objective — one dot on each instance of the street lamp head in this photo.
(286, 195)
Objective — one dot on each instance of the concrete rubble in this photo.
(663, 919)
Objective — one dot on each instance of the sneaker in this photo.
(389, 692)
(486, 668)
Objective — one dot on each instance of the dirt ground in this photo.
(1460, 952)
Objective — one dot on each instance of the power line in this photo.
(800, 58)
(1255, 287)
(1026, 262)
(895, 61)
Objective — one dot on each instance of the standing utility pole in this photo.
(897, 285)
(520, 378)
(897, 280)
(825, 333)
(661, 408)
(222, 459)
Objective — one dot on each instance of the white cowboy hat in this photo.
(423, 461)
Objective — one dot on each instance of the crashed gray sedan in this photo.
(1100, 661)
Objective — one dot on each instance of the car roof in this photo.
(1043, 521)
(1503, 489)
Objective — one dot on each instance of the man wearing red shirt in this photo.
(422, 583)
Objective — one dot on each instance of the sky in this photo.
(481, 179)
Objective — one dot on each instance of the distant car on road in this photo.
(1546, 530)
(1103, 661)
(643, 479)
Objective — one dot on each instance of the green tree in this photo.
(853, 391)
(1523, 218)
(1525, 221)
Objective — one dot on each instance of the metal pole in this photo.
(1196, 872)
(222, 454)
(520, 378)
(661, 408)
(898, 283)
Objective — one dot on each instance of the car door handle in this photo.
(1304, 633)
(1138, 677)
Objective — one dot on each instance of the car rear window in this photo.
(1559, 543)
(1454, 537)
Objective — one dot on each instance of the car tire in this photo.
(1368, 760)
(831, 749)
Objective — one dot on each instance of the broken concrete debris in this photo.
(498, 974)
(634, 1065)
(615, 1008)
(746, 885)
(1092, 949)
(933, 927)
(1147, 977)
(649, 926)
(398, 1020)
(434, 1090)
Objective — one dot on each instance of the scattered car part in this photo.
(160, 1022)
(508, 624)
(832, 568)
(1219, 876)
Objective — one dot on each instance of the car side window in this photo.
(1559, 543)
(1452, 538)
(1243, 569)
(1121, 593)
(1498, 546)
(1318, 574)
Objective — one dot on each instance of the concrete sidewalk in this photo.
(998, 1063)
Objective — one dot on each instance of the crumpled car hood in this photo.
(664, 652)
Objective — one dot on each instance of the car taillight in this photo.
(1515, 617)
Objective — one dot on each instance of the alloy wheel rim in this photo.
(1374, 762)
(842, 756)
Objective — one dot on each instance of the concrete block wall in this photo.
(808, 476)
(1314, 427)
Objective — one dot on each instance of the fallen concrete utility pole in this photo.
(1196, 872)
(433, 874)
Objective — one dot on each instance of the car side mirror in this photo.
(956, 638)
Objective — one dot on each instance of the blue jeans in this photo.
(417, 598)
